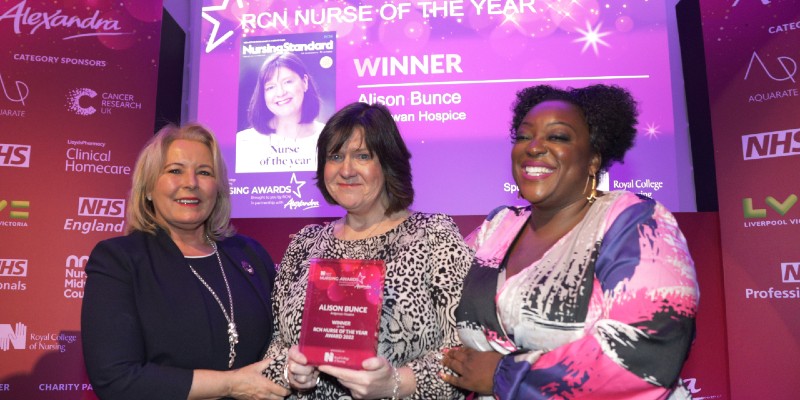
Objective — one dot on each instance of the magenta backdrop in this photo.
(78, 101)
(752, 56)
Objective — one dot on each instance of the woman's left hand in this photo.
(375, 381)
(473, 370)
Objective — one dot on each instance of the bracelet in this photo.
(396, 390)
(286, 373)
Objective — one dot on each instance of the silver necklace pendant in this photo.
(233, 334)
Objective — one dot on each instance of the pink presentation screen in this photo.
(448, 71)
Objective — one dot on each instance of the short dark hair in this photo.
(382, 139)
(609, 110)
(259, 115)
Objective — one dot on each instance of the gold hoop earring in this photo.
(593, 193)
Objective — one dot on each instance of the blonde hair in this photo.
(141, 213)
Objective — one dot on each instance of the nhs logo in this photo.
(100, 207)
(790, 272)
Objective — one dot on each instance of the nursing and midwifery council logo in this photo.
(13, 339)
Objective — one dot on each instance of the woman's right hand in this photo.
(248, 383)
(299, 374)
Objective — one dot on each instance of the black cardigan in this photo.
(146, 321)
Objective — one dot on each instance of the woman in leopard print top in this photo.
(364, 167)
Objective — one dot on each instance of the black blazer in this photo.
(146, 320)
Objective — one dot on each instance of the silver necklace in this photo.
(233, 334)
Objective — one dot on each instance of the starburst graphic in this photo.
(213, 41)
(299, 184)
(652, 130)
(591, 37)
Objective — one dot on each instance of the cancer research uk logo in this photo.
(97, 214)
(289, 196)
(86, 102)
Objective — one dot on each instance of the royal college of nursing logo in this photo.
(13, 339)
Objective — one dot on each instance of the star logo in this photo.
(592, 37)
(213, 41)
(299, 184)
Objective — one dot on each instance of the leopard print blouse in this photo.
(426, 262)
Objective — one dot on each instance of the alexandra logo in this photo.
(293, 204)
(24, 17)
(787, 71)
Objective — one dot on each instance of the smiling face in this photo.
(284, 92)
(552, 157)
(186, 189)
(354, 178)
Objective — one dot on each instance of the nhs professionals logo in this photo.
(13, 267)
(790, 272)
(94, 214)
(12, 274)
(13, 338)
(15, 155)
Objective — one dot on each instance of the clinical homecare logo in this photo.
(27, 19)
